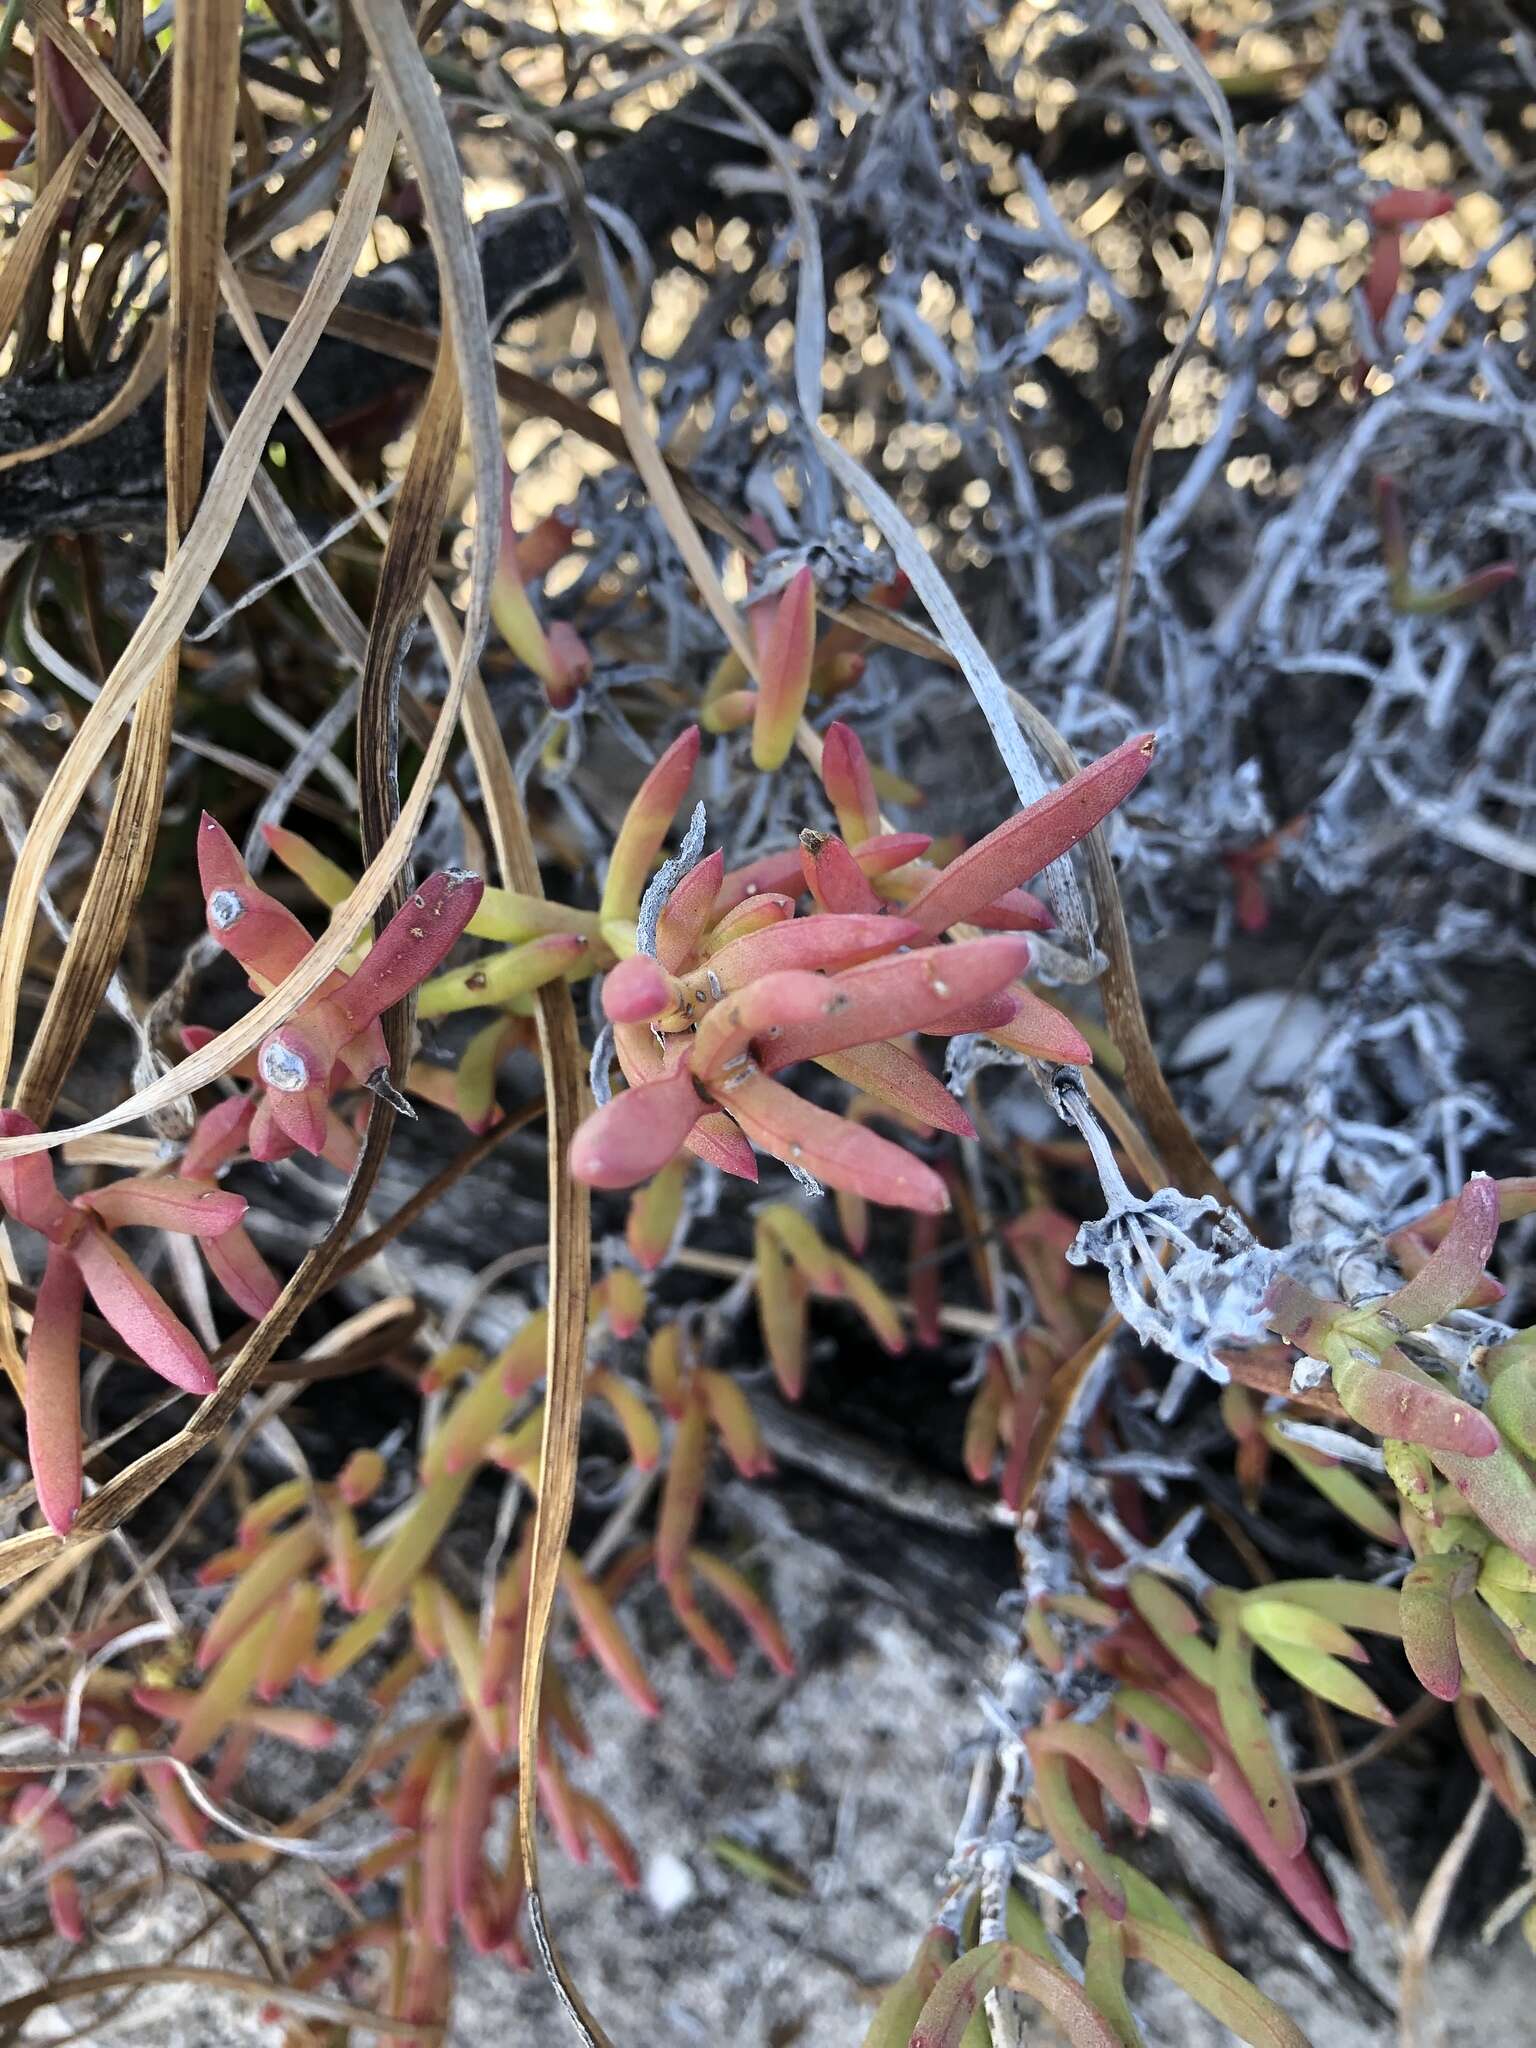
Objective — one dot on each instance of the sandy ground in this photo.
(849, 1776)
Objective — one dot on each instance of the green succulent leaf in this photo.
(1215, 1985)
(1247, 1733)
(1496, 1668)
(1329, 1680)
(998, 1965)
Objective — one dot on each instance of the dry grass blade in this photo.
(410, 86)
(639, 440)
(203, 99)
(310, 2004)
(35, 238)
(157, 634)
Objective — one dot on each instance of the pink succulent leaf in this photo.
(53, 1391)
(888, 852)
(143, 1321)
(636, 990)
(412, 945)
(1401, 208)
(219, 1134)
(689, 913)
(362, 1055)
(27, 1191)
(1501, 1492)
(850, 787)
(544, 544)
(645, 826)
(637, 1133)
(1395, 1399)
(843, 1154)
(1382, 275)
(988, 1013)
(1087, 1744)
(903, 992)
(242, 1272)
(808, 943)
(1030, 840)
(190, 1207)
(752, 914)
(341, 1143)
(772, 874)
(570, 665)
(1040, 1030)
(834, 877)
(764, 1009)
(300, 1117)
(268, 1142)
(738, 1593)
(1298, 1877)
(261, 933)
(717, 1141)
(899, 1079)
(785, 629)
(1016, 911)
(1456, 1267)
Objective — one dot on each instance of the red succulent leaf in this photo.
(412, 945)
(143, 1321)
(843, 1154)
(190, 1207)
(1400, 208)
(1384, 270)
(636, 990)
(765, 1009)
(1039, 1029)
(898, 1078)
(904, 992)
(1032, 838)
(242, 1272)
(785, 630)
(752, 914)
(689, 913)
(1455, 1269)
(849, 785)
(807, 943)
(218, 1135)
(261, 933)
(834, 877)
(772, 874)
(53, 1390)
(638, 1132)
(888, 852)
(27, 1191)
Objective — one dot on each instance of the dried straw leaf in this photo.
(155, 637)
(204, 83)
(34, 239)
(411, 88)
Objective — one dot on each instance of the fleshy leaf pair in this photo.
(336, 1036)
(83, 1256)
